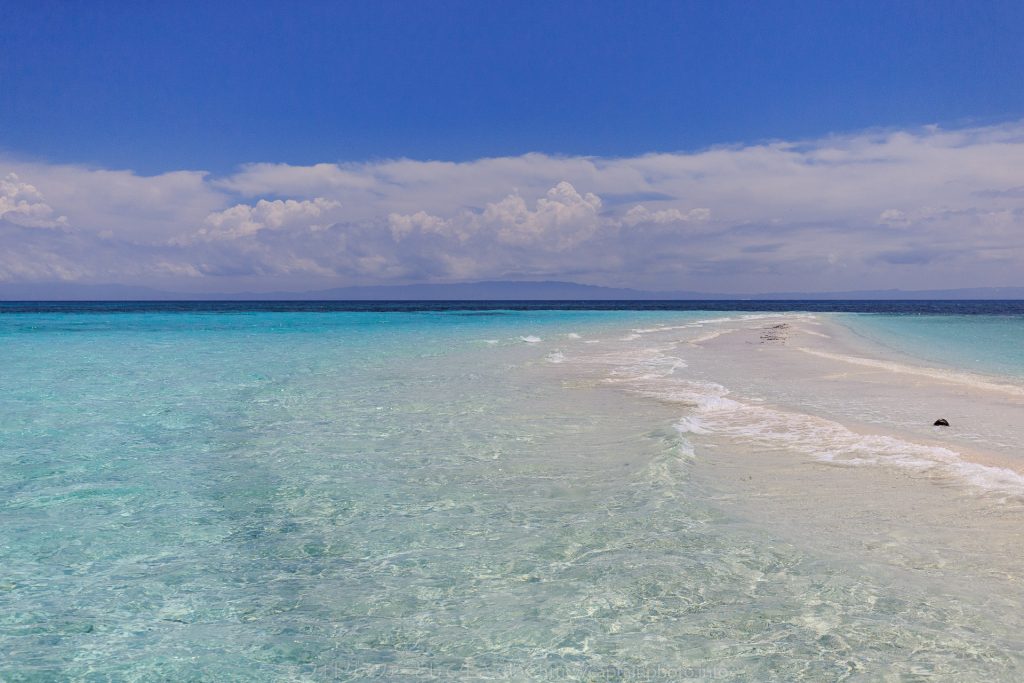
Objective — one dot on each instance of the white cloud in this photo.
(260, 179)
(419, 222)
(22, 204)
(893, 217)
(562, 219)
(917, 208)
(30, 263)
(244, 220)
(640, 214)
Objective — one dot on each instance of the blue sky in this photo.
(224, 145)
(210, 85)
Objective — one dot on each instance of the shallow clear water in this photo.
(254, 495)
(991, 344)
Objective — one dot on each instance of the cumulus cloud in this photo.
(244, 220)
(911, 208)
(22, 204)
(559, 220)
(420, 222)
(562, 218)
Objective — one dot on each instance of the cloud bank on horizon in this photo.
(915, 209)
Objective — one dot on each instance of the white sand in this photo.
(801, 428)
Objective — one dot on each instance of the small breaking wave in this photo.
(709, 336)
(711, 410)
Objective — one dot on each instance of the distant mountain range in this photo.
(474, 291)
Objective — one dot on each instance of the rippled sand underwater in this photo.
(525, 496)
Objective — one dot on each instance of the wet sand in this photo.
(802, 430)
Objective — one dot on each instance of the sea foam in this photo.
(711, 410)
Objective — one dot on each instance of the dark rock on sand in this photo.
(941, 422)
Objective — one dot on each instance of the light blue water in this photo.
(990, 344)
(345, 496)
(233, 494)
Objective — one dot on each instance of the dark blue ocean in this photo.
(896, 307)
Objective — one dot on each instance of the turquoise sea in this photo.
(991, 344)
(301, 493)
